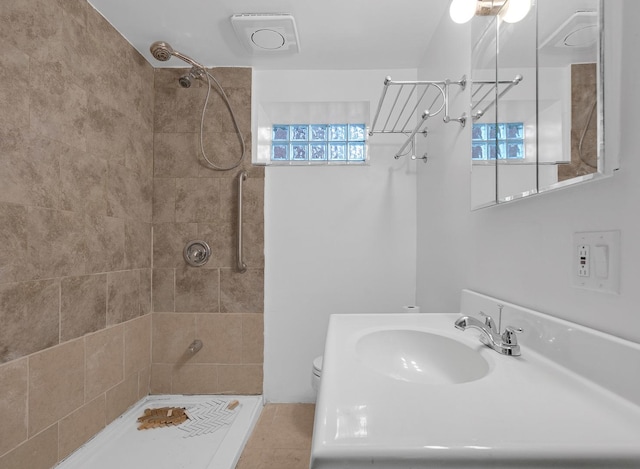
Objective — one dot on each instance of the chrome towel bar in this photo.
(397, 110)
(491, 86)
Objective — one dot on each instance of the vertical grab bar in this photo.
(242, 267)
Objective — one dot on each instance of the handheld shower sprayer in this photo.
(163, 51)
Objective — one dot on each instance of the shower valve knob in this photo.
(197, 253)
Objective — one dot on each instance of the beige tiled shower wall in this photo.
(214, 303)
(584, 123)
(76, 178)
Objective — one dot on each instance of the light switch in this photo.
(596, 261)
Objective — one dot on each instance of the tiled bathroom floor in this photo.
(281, 438)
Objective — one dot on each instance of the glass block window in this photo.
(318, 143)
(504, 141)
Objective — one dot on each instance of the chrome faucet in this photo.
(504, 343)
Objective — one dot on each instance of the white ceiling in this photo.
(334, 34)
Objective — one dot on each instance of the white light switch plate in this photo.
(595, 263)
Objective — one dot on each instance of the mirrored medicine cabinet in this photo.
(537, 101)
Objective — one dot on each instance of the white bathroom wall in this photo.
(338, 239)
(522, 252)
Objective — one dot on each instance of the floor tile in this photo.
(281, 438)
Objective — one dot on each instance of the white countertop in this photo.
(526, 412)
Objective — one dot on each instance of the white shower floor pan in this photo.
(121, 445)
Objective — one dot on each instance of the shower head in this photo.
(162, 51)
(187, 79)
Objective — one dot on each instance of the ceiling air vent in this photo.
(266, 33)
(580, 30)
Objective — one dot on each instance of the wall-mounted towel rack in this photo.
(488, 87)
(396, 112)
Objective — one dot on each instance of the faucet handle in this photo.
(489, 322)
(509, 335)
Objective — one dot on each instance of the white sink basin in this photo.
(411, 390)
(420, 357)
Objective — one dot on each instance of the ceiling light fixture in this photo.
(462, 11)
(516, 10)
(511, 11)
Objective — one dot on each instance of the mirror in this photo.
(537, 101)
(484, 34)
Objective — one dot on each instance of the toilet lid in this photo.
(317, 365)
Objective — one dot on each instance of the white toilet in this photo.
(316, 373)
